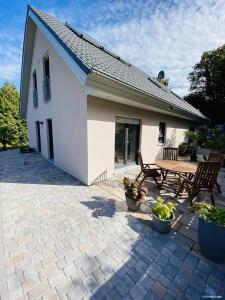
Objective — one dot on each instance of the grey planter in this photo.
(132, 204)
(163, 226)
(211, 239)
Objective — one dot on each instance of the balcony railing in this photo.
(46, 89)
(35, 98)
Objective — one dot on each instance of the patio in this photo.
(63, 240)
(186, 222)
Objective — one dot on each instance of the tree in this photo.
(207, 85)
(13, 129)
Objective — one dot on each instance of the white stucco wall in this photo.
(67, 109)
(101, 134)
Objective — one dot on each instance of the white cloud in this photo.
(10, 53)
(165, 36)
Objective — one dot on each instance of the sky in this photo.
(154, 35)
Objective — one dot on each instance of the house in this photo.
(88, 110)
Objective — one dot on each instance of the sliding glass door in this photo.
(126, 142)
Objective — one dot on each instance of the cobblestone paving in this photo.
(63, 240)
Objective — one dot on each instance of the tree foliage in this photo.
(207, 85)
(13, 129)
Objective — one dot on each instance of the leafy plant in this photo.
(209, 213)
(162, 210)
(207, 85)
(134, 190)
(13, 129)
(217, 140)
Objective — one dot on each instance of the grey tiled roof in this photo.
(90, 56)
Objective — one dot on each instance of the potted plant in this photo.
(134, 193)
(211, 230)
(163, 215)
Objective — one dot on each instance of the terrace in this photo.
(64, 240)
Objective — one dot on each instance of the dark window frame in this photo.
(162, 133)
(46, 79)
(35, 90)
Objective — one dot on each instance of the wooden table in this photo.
(176, 166)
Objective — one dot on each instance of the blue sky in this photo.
(151, 34)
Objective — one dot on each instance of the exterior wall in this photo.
(101, 135)
(67, 109)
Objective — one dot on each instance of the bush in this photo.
(134, 190)
(163, 211)
(209, 213)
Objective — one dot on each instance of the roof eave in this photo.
(129, 89)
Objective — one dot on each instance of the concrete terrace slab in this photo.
(63, 240)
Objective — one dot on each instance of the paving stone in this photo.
(134, 274)
(99, 275)
(192, 294)
(162, 259)
(113, 294)
(177, 289)
(154, 270)
(146, 281)
(63, 240)
(158, 289)
(30, 283)
(14, 279)
(64, 287)
(56, 278)
(137, 292)
(197, 283)
(39, 290)
(77, 292)
(170, 271)
(164, 281)
(124, 286)
(48, 271)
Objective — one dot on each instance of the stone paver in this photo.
(63, 240)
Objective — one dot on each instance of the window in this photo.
(35, 93)
(46, 80)
(162, 131)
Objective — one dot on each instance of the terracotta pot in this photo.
(132, 204)
(163, 226)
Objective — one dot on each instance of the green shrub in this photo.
(209, 213)
(163, 211)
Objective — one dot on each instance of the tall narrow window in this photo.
(35, 93)
(46, 79)
(162, 131)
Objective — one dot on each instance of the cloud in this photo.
(154, 35)
(168, 35)
(10, 53)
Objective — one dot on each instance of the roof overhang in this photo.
(101, 86)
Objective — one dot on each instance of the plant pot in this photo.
(160, 225)
(211, 239)
(132, 204)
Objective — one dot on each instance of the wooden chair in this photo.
(204, 180)
(218, 158)
(147, 171)
(170, 153)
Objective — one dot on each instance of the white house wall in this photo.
(101, 134)
(67, 109)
